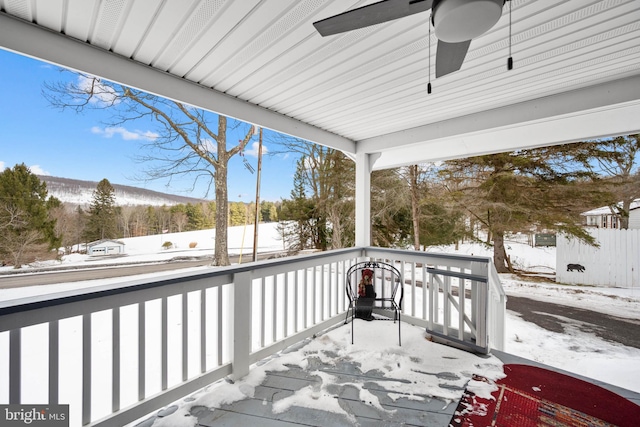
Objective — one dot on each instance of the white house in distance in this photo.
(105, 247)
(604, 218)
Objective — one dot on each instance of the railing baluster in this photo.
(141, 351)
(314, 297)
(461, 307)
(295, 301)
(446, 321)
(413, 287)
(285, 314)
(54, 359)
(322, 290)
(336, 289)
(220, 343)
(164, 344)
(203, 331)
(185, 336)
(263, 312)
(424, 292)
(15, 368)
(305, 302)
(86, 369)
(115, 359)
(433, 300)
(274, 310)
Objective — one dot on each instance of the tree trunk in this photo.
(499, 253)
(624, 215)
(221, 255)
(415, 211)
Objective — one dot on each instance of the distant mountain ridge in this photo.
(79, 192)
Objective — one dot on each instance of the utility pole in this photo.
(255, 225)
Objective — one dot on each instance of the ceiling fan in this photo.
(456, 23)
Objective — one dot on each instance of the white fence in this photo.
(119, 352)
(615, 263)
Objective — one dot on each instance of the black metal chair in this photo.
(387, 286)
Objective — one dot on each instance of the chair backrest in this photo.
(387, 282)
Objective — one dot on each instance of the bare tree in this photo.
(180, 220)
(413, 173)
(65, 226)
(189, 141)
(323, 195)
(19, 242)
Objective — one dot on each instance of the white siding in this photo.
(106, 248)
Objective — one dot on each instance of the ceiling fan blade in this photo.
(376, 13)
(449, 57)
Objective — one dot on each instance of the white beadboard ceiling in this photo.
(576, 73)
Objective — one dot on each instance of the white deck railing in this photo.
(119, 352)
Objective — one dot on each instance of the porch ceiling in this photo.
(576, 74)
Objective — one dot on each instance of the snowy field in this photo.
(574, 350)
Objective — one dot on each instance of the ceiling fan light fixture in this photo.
(460, 20)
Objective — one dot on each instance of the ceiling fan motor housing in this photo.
(456, 21)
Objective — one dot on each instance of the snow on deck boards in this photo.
(279, 385)
(327, 381)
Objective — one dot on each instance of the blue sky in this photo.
(81, 146)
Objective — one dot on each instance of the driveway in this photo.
(555, 318)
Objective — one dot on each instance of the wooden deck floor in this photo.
(258, 410)
(341, 389)
(404, 411)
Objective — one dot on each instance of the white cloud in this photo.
(208, 145)
(127, 135)
(36, 169)
(253, 151)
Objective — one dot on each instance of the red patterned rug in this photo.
(534, 397)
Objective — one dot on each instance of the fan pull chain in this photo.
(429, 41)
(510, 60)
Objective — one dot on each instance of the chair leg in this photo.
(399, 333)
(352, 322)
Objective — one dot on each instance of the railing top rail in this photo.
(436, 255)
(213, 278)
(457, 274)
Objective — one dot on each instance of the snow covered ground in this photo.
(574, 351)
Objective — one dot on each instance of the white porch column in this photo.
(364, 165)
(241, 304)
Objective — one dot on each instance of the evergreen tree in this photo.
(268, 211)
(299, 213)
(543, 188)
(196, 217)
(103, 213)
(616, 159)
(153, 224)
(27, 230)
(238, 214)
